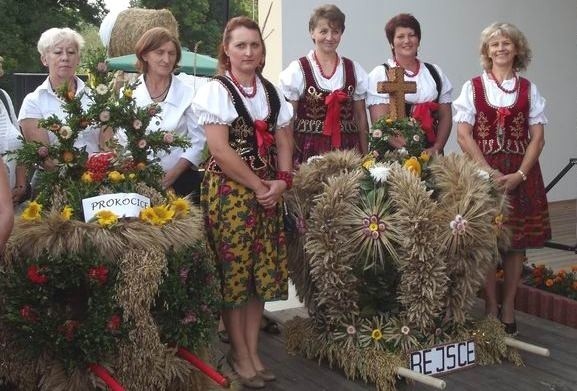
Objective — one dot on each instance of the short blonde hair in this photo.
(524, 54)
(55, 35)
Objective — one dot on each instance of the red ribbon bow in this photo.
(264, 138)
(332, 125)
(423, 112)
(502, 113)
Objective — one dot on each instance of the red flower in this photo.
(113, 323)
(28, 314)
(34, 275)
(99, 273)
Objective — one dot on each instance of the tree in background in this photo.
(201, 20)
(24, 21)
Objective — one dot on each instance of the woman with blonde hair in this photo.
(500, 124)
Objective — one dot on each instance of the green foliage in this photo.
(562, 283)
(24, 21)
(187, 305)
(201, 20)
(385, 128)
(119, 170)
(64, 305)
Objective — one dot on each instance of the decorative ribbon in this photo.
(264, 138)
(103, 374)
(502, 113)
(332, 125)
(204, 367)
(423, 112)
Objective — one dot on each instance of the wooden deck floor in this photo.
(556, 373)
(564, 230)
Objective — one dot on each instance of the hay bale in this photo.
(132, 23)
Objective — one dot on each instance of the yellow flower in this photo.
(413, 165)
(389, 121)
(128, 93)
(180, 206)
(163, 214)
(147, 215)
(106, 218)
(376, 334)
(66, 213)
(132, 176)
(424, 156)
(86, 177)
(32, 211)
(369, 163)
(115, 176)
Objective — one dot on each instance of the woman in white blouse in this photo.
(327, 92)
(247, 126)
(158, 52)
(500, 124)
(431, 103)
(59, 50)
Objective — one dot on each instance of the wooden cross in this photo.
(396, 87)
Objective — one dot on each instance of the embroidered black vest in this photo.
(242, 135)
(312, 110)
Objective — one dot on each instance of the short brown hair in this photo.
(402, 20)
(152, 40)
(330, 12)
(233, 24)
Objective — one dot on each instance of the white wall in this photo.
(450, 38)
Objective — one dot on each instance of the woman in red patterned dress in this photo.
(500, 124)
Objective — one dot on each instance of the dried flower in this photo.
(34, 275)
(101, 89)
(32, 211)
(106, 218)
(66, 213)
(65, 132)
(168, 138)
(351, 330)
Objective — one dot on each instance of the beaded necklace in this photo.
(500, 86)
(407, 72)
(241, 88)
(321, 68)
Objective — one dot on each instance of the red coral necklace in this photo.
(407, 72)
(321, 68)
(241, 88)
(500, 86)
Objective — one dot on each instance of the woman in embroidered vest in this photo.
(247, 126)
(327, 92)
(431, 103)
(158, 52)
(500, 119)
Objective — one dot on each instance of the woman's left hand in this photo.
(274, 194)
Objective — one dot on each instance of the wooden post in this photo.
(515, 343)
(425, 379)
(396, 87)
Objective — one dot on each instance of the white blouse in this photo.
(426, 86)
(176, 116)
(464, 105)
(9, 134)
(212, 104)
(292, 79)
(43, 102)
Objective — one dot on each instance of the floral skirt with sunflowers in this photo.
(249, 242)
